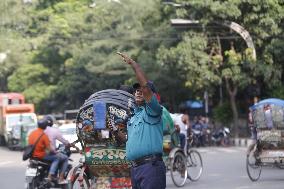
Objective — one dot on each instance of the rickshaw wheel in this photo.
(194, 165)
(253, 166)
(178, 169)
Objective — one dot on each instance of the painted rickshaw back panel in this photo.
(103, 115)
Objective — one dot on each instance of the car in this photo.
(68, 131)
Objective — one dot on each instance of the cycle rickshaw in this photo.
(268, 129)
(100, 118)
(183, 164)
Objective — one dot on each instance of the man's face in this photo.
(139, 96)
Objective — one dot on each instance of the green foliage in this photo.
(64, 50)
(223, 114)
(32, 81)
(277, 92)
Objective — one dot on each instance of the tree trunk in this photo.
(235, 114)
(232, 90)
(3, 84)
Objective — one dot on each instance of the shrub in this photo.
(223, 114)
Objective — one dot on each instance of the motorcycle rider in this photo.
(201, 126)
(53, 135)
(43, 150)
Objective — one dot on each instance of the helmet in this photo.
(227, 130)
(42, 123)
(49, 120)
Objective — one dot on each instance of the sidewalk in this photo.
(244, 142)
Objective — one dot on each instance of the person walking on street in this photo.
(144, 146)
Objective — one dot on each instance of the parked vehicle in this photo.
(196, 137)
(37, 172)
(221, 136)
(17, 119)
(68, 131)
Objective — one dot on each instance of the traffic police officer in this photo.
(144, 146)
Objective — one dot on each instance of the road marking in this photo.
(5, 163)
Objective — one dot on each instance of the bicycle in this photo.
(194, 161)
(183, 164)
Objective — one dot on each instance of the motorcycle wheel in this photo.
(84, 184)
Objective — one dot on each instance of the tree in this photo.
(32, 84)
(76, 46)
(12, 46)
(230, 63)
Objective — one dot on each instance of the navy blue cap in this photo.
(127, 88)
(150, 84)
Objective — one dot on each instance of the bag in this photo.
(29, 150)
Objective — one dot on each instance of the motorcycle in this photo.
(37, 172)
(221, 136)
(80, 175)
(197, 137)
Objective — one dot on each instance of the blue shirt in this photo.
(145, 131)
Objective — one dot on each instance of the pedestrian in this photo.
(144, 146)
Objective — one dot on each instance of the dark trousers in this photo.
(150, 175)
(182, 140)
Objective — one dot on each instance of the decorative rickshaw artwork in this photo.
(95, 132)
(107, 162)
(109, 183)
(102, 129)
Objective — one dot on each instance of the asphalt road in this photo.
(224, 168)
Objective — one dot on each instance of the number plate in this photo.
(30, 172)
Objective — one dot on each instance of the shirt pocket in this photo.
(151, 120)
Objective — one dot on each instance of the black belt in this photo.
(146, 159)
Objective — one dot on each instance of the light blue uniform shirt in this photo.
(145, 131)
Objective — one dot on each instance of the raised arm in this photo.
(141, 78)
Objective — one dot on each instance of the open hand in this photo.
(126, 59)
